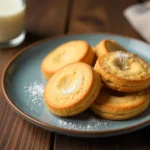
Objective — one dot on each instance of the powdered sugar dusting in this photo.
(122, 58)
(121, 55)
(85, 121)
(34, 91)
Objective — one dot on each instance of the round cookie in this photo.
(106, 46)
(123, 71)
(114, 105)
(70, 52)
(72, 89)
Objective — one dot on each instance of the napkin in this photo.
(138, 16)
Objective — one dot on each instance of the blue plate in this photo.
(23, 86)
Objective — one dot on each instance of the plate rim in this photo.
(82, 133)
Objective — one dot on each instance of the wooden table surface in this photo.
(49, 18)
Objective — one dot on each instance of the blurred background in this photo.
(51, 17)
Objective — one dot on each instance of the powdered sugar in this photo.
(122, 55)
(85, 121)
(122, 59)
(35, 93)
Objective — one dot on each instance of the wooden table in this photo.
(48, 18)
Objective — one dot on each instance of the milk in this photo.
(12, 14)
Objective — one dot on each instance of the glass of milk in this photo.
(12, 19)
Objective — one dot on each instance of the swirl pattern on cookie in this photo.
(70, 52)
(114, 105)
(72, 89)
(123, 71)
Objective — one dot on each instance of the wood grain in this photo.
(46, 17)
(19, 134)
(133, 141)
(100, 16)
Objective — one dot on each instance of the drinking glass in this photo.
(12, 22)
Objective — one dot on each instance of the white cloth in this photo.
(138, 16)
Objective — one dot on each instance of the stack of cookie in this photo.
(126, 78)
(74, 85)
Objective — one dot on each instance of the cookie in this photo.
(114, 105)
(72, 89)
(106, 46)
(70, 52)
(123, 71)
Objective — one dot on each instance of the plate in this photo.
(23, 86)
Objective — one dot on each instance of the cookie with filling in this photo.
(72, 89)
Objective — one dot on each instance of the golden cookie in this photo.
(106, 46)
(70, 52)
(114, 105)
(123, 71)
(72, 89)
